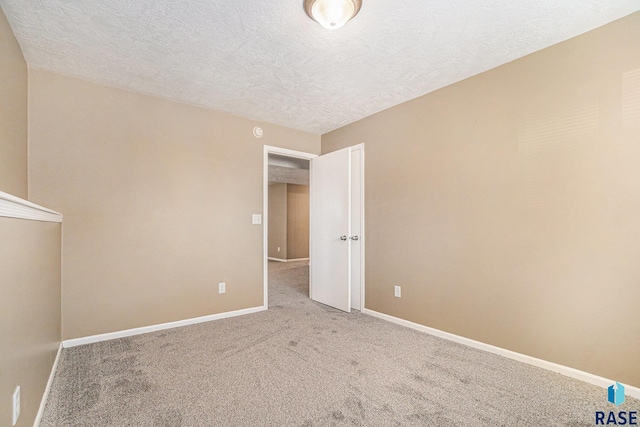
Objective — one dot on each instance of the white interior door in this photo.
(330, 229)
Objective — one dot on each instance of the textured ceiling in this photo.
(266, 60)
(288, 170)
(288, 175)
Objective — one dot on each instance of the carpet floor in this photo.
(301, 363)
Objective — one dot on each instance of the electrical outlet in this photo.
(278, 248)
(16, 405)
(222, 288)
(396, 291)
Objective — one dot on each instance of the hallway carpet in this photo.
(305, 364)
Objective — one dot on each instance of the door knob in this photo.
(354, 237)
(343, 237)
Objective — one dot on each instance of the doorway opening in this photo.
(288, 222)
(332, 238)
(286, 173)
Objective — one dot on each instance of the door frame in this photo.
(268, 149)
(353, 148)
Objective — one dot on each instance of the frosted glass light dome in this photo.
(332, 14)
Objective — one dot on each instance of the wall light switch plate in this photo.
(256, 219)
(222, 288)
(396, 291)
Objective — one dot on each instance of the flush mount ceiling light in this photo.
(332, 14)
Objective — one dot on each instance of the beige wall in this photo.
(506, 205)
(157, 197)
(29, 312)
(13, 114)
(29, 256)
(288, 221)
(297, 221)
(278, 220)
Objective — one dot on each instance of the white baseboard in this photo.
(47, 389)
(152, 328)
(287, 260)
(561, 369)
